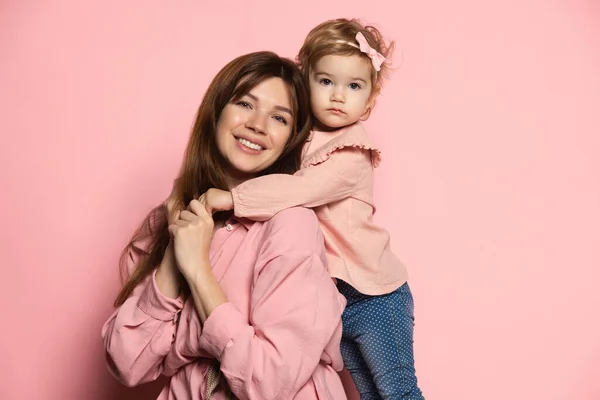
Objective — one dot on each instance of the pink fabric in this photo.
(336, 180)
(277, 337)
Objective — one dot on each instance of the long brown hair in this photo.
(203, 165)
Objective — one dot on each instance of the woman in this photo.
(230, 307)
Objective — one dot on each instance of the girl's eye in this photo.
(354, 86)
(279, 118)
(325, 81)
(244, 104)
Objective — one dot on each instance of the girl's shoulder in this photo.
(354, 136)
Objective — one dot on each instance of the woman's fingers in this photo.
(203, 200)
(199, 209)
(186, 215)
(176, 225)
(173, 230)
(181, 223)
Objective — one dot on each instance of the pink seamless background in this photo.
(490, 181)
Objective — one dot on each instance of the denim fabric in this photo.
(377, 343)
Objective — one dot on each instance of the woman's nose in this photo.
(257, 122)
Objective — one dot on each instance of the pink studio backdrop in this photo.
(490, 184)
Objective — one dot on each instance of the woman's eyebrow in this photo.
(279, 108)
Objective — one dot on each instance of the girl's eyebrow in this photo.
(359, 79)
(352, 79)
(279, 108)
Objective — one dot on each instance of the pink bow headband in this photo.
(376, 58)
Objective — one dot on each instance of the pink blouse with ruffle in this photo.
(336, 180)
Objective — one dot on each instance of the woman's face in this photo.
(253, 130)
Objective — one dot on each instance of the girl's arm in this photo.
(335, 179)
(295, 314)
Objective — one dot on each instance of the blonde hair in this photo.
(338, 37)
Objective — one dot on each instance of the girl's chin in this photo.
(329, 124)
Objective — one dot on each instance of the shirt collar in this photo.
(247, 223)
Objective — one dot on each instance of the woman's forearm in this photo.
(206, 291)
(167, 275)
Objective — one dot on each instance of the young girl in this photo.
(344, 65)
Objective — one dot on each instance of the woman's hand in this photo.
(192, 234)
(217, 200)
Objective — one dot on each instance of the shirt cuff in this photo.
(239, 208)
(221, 326)
(156, 304)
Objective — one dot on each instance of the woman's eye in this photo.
(354, 86)
(279, 118)
(244, 104)
(325, 81)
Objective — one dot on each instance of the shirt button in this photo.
(229, 227)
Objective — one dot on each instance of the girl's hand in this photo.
(192, 234)
(217, 200)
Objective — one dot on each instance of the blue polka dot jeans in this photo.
(377, 343)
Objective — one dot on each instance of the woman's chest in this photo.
(233, 259)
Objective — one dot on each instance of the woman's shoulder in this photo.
(354, 136)
(294, 238)
(294, 218)
(295, 227)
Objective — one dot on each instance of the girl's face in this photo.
(340, 89)
(253, 130)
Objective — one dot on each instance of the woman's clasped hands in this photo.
(192, 229)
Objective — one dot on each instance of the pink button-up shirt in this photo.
(336, 180)
(277, 337)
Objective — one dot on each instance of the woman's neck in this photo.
(235, 178)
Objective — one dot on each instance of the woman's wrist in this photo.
(206, 290)
(197, 273)
(167, 274)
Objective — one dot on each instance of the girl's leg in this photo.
(382, 328)
(353, 357)
(355, 364)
